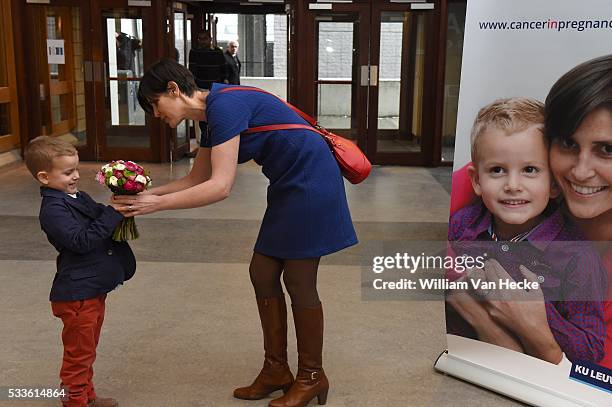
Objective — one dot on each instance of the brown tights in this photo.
(299, 276)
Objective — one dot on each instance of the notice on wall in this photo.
(55, 52)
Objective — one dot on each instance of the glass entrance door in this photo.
(372, 63)
(341, 71)
(401, 109)
(123, 129)
(182, 44)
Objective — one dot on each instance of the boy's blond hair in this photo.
(512, 115)
(41, 151)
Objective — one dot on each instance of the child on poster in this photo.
(510, 174)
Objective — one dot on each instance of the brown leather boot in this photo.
(310, 381)
(103, 402)
(275, 374)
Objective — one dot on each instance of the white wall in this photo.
(336, 99)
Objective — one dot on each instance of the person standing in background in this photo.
(126, 51)
(233, 63)
(206, 62)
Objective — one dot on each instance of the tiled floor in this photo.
(184, 331)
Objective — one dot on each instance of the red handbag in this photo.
(353, 163)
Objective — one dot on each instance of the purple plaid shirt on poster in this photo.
(574, 278)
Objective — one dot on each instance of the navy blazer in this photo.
(90, 262)
(232, 69)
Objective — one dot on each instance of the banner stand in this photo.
(520, 48)
(516, 375)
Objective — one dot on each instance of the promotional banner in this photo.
(532, 195)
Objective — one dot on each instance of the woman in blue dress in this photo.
(307, 214)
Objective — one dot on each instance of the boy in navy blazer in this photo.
(89, 264)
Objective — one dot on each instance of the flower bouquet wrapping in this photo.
(124, 178)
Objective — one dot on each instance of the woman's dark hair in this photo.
(154, 83)
(580, 91)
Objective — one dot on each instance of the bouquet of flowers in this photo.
(124, 178)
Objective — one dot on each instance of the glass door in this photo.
(401, 109)
(341, 70)
(123, 130)
(373, 62)
(124, 41)
(182, 43)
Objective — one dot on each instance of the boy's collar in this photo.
(83, 206)
(540, 236)
(548, 229)
(46, 191)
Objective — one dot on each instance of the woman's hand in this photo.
(486, 328)
(135, 205)
(475, 313)
(518, 310)
(522, 312)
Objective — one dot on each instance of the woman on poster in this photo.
(578, 115)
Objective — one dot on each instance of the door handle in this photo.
(369, 75)
(365, 75)
(97, 74)
(105, 83)
(374, 75)
(88, 71)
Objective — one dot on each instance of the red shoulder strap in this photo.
(303, 115)
(272, 127)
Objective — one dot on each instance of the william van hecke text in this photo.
(446, 284)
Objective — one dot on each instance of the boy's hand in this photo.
(119, 208)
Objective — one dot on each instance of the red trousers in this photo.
(82, 324)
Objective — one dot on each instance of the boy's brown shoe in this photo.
(103, 402)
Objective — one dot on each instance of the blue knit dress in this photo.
(307, 214)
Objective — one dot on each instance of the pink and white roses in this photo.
(124, 178)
